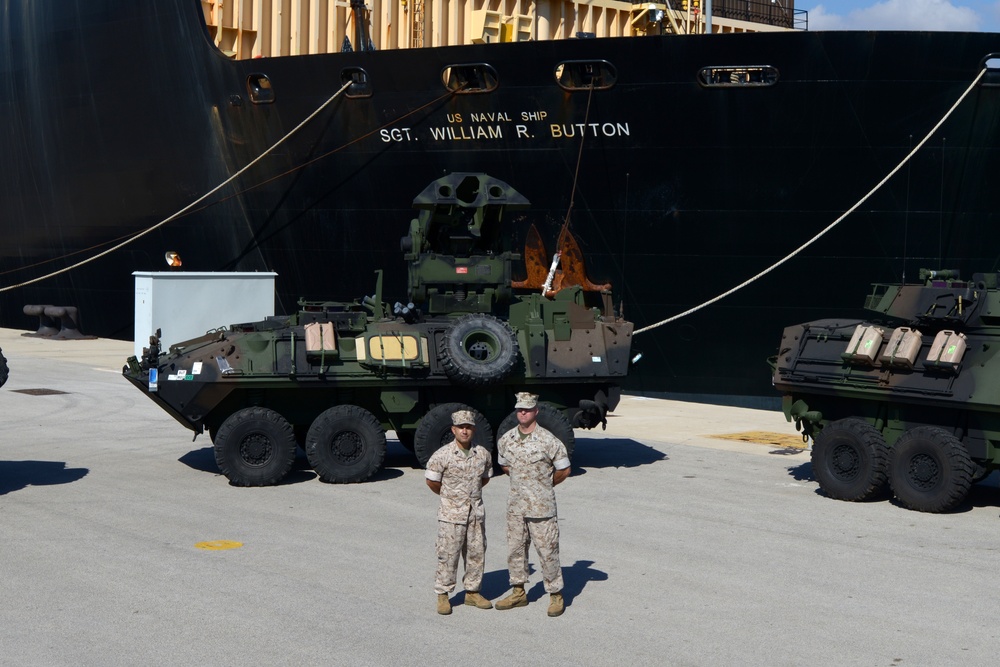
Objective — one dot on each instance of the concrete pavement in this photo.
(677, 548)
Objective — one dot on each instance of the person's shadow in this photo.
(575, 578)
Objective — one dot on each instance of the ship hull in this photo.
(120, 115)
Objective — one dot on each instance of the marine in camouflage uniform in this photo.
(536, 461)
(457, 472)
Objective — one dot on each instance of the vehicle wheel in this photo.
(478, 350)
(255, 447)
(549, 418)
(931, 470)
(345, 444)
(434, 430)
(850, 460)
(4, 371)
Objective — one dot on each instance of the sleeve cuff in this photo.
(502, 461)
(561, 464)
(433, 476)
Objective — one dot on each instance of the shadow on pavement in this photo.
(396, 456)
(16, 475)
(981, 494)
(575, 578)
(802, 472)
(203, 460)
(613, 453)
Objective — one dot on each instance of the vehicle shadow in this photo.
(203, 460)
(613, 453)
(397, 459)
(982, 494)
(802, 472)
(17, 475)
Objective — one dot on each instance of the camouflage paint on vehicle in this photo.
(334, 376)
(908, 400)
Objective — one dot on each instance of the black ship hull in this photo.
(117, 115)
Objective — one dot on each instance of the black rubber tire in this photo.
(931, 470)
(434, 430)
(478, 350)
(850, 460)
(4, 370)
(345, 444)
(549, 418)
(255, 447)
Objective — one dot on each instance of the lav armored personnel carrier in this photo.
(908, 399)
(335, 376)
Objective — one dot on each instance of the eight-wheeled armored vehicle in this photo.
(335, 376)
(909, 398)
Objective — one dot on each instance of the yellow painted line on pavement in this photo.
(219, 545)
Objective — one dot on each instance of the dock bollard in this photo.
(68, 316)
(57, 322)
(46, 324)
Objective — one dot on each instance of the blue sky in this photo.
(972, 15)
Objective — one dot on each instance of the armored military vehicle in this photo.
(908, 399)
(335, 376)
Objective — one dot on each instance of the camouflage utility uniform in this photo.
(461, 516)
(531, 505)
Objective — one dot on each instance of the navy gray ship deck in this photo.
(678, 548)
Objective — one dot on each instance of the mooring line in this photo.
(828, 227)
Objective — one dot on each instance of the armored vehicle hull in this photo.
(908, 400)
(335, 376)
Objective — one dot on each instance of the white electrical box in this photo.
(186, 304)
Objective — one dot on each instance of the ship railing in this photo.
(779, 13)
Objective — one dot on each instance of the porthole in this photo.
(991, 64)
(586, 74)
(738, 76)
(470, 78)
(259, 87)
(361, 85)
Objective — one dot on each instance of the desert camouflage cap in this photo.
(526, 400)
(460, 417)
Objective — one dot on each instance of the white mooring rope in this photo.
(828, 227)
(186, 208)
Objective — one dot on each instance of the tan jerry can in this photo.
(903, 347)
(947, 350)
(865, 343)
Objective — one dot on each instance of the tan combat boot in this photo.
(474, 599)
(517, 598)
(444, 605)
(556, 606)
